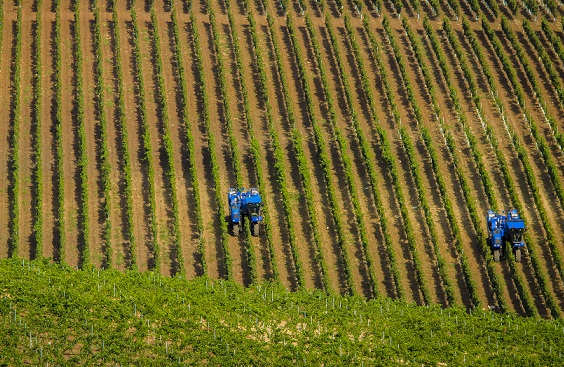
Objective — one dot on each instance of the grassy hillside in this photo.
(55, 314)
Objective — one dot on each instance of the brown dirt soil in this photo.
(280, 231)
(368, 211)
(304, 241)
(48, 148)
(141, 217)
(92, 129)
(25, 142)
(5, 112)
(155, 113)
(70, 138)
(120, 255)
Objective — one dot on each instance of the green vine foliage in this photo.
(255, 149)
(147, 144)
(104, 154)
(410, 150)
(178, 266)
(14, 143)
(369, 159)
(83, 217)
(37, 138)
(428, 140)
(56, 315)
(122, 132)
(205, 117)
(322, 155)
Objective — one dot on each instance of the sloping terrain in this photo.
(379, 134)
(52, 314)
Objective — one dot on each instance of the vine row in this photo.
(391, 163)
(369, 159)
(37, 175)
(169, 150)
(104, 154)
(322, 154)
(185, 108)
(83, 204)
(254, 143)
(14, 141)
(409, 147)
(428, 140)
(147, 145)
(60, 232)
(211, 145)
(122, 131)
(278, 151)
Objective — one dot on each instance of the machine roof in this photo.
(515, 224)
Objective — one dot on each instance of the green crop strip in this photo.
(147, 145)
(212, 147)
(233, 146)
(104, 154)
(14, 141)
(254, 143)
(225, 324)
(121, 127)
(369, 160)
(37, 138)
(83, 204)
(178, 267)
(428, 140)
(408, 144)
(60, 231)
(185, 108)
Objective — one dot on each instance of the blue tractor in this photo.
(505, 227)
(244, 203)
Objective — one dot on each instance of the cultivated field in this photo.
(378, 142)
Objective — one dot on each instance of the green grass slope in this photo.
(54, 315)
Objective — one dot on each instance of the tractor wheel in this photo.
(235, 229)
(496, 254)
(518, 255)
(255, 229)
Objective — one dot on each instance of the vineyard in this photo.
(378, 133)
(55, 315)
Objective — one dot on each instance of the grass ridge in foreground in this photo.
(53, 313)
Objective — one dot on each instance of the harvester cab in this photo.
(245, 203)
(234, 200)
(504, 228)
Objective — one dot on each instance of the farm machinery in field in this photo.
(505, 228)
(244, 203)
